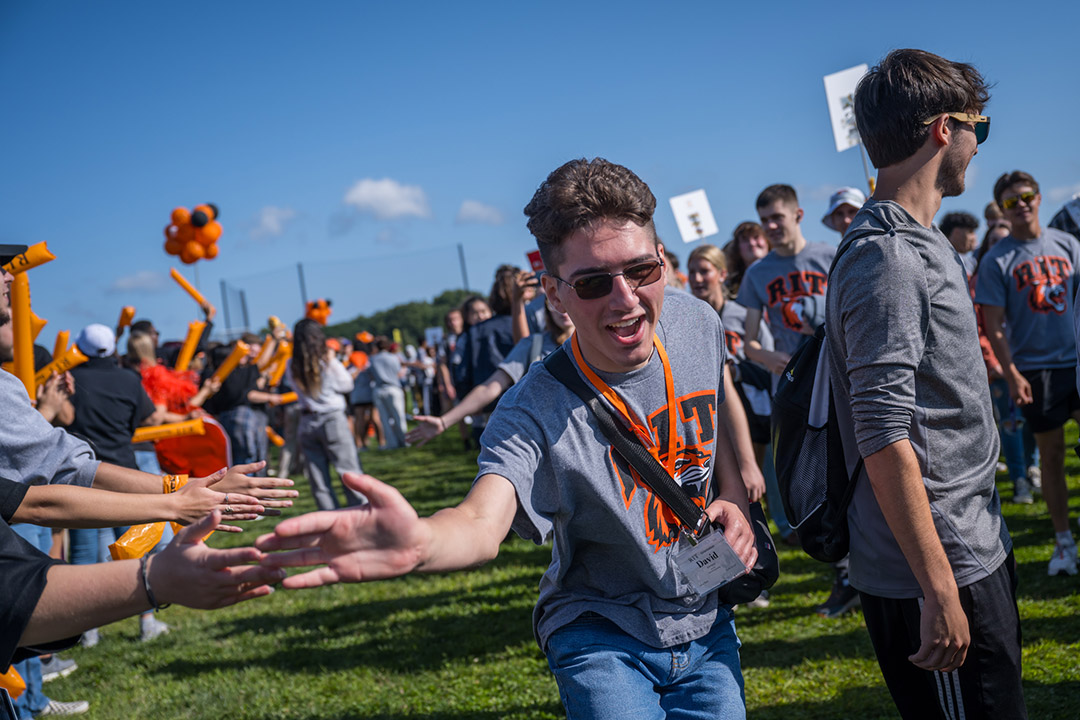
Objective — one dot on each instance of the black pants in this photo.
(987, 685)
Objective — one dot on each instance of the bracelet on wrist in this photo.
(143, 562)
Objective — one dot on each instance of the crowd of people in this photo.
(946, 355)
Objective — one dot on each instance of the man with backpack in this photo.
(930, 554)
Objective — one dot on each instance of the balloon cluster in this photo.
(193, 235)
(318, 310)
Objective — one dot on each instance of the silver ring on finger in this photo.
(226, 498)
(228, 509)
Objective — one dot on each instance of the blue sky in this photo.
(367, 140)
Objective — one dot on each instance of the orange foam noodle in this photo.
(70, 358)
(289, 397)
(182, 281)
(274, 437)
(62, 339)
(281, 353)
(232, 361)
(22, 327)
(127, 314)
(36, 325)
(279, 369)
(191, 343)
(34, 256)
(170, 430)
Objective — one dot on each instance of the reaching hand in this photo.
(52, 396)
(264, 489)
(427, 429)
(195, 500)
(384, 538)
(525, 284)
(1020, 390)
(190, 573)
(945, 635)
(737, 529)
(754, 482)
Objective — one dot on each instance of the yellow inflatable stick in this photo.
(36, 325)
(287, 398)
(279, 370)
(21, 325)
(283, 351)
(34, 256)
(232, 361)
(62, 339)
(191, 342)
(72, 356)
(154, 433)
(182, 281)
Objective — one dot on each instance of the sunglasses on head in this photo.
(982, 123)
(1010, 202)
(591, 287)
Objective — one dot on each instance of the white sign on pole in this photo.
(693, 216)
(840, 94)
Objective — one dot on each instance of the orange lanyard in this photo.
(639, 429)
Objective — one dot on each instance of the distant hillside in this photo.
(410, 318)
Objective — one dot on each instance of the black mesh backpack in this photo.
(808, 451)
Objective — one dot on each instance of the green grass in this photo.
(461, 645)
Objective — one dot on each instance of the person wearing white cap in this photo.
(843, 205)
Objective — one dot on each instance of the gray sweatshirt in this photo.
(34, 452)
(906, 364)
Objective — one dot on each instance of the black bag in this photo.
(808, 451)
(742, 589)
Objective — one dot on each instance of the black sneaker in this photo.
(842, 599)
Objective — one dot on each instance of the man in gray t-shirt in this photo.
(547, 471)
(788, 284)
(930, 553)
(1027, 288)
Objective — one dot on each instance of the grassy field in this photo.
(461, 646)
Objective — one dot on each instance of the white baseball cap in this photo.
(96, 340)
(844, 196)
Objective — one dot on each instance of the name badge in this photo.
(709, 564)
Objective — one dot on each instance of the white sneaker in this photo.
(1063, 560)
(151, 628)
(1022, 492)
(55, 707)
(90, 638)
(1034, 476)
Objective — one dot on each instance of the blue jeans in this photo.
(33, 700)
(1018, 450)
(91, 545)
(604, 674)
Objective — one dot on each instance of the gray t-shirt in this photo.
(612, 545)
(385, 370)
(516, 364)
(32, 451)
(1035, 281)
(733, 316)
(788, 290)
(906, 364)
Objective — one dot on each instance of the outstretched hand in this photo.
(381, 539)
(267, 490)
(427, 428)
(189, 573)
(195, 500)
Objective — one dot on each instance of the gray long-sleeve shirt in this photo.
(906, 363)
(34, 452)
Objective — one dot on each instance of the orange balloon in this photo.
(186, 257)
(170, 232)
(211, 251)
(194, 249)
(173, 246)
(181, 216)
(185, 233)
(212, 231)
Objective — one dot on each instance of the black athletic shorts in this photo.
(1054, 398)
(987, 685)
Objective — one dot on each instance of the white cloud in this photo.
(472, 211)
(142, 281)
(1061, 194)
(271, 222)
(388, 199)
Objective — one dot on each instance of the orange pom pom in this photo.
(181, 216)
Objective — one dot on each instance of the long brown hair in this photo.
(309, 349)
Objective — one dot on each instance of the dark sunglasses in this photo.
(596, 286)
(1010, 202)
(982, 123)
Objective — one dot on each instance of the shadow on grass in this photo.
(864, 703)
(792, 653)
(539, 711)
